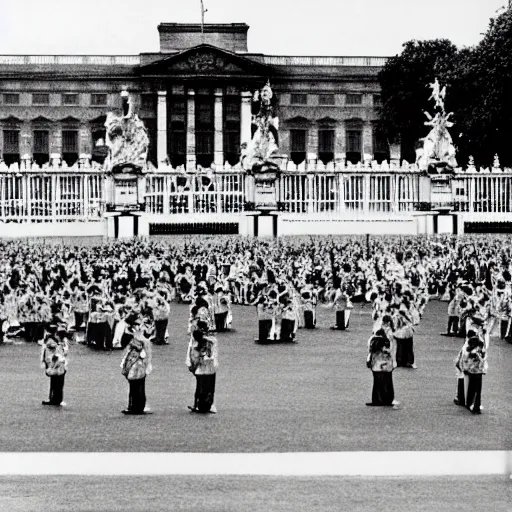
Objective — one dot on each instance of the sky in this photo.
(277, 27)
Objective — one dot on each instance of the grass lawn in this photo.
(261, 494)
(308, 396)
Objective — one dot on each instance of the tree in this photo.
(404, 82)
(479, 93)
(482, 95)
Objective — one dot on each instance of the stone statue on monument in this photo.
(262, 153)
(127, 139)
(438, 153)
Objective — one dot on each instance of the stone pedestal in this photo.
(395, 153)
(424, 189)
(122, 224)
(265, 190)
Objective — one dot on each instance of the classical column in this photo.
(218, 124)
(312, 147)
(26, 144)
(191, 130)
(367, 142)
(340, 143)
(161, 114)
(245, 117)
(56, 144)
(84, 144)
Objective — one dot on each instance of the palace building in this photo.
(194, 96)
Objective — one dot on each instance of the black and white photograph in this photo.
(256, 256)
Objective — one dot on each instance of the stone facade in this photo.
(194, 97)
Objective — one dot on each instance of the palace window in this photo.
(380, 145)
(326, 99)
(232, 113)
(11, 152)
(70, 99)
(377, 100)
(70, 146)
(204, 130)
(11, 98)
(298, 145)
(40, 98)
(354, 140)
(98, 100)
(41, 148)
(177, 134)
(326, 145)
(354, 99)
(299, 99)
(148, 102)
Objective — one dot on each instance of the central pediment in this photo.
(205, 60)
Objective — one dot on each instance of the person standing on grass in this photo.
(473, 363)
(202, 360)
(161, 311)
(381, 362)
(54, 362)
(136, 366)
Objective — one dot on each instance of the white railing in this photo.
(490, 193)
(281, 60)
(348, 192)
(134, 60)
(38, 197)
(83, 60)
(81, 193)
(167, 193)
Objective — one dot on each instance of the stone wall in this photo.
(174, 36)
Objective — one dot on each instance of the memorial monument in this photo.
(438, 153)
(261, 158)
(125, 164)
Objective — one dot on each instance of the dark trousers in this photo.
(404, 352)
(80, 318)
(474, 398)
(341, 323)
(264, 327)
(137, 396)
(309, 320)
(503, 329)
(220, 321)
(383, 392)
(38, 331)
(27, 330)
(56, 389)
(460, 392)
(160, 328)
(98, 335)
(453, 325)
(205, 392)
(287, 327)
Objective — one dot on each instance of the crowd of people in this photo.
(117, 295)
